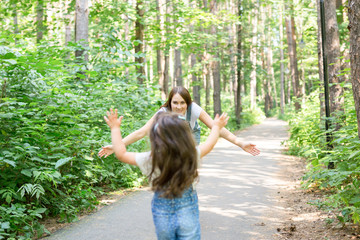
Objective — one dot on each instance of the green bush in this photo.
(52, 128)
(308, 140)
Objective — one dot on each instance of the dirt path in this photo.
(240, 197)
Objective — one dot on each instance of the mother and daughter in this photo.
(173, 161)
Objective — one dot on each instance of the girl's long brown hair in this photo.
(183, 92)
(173, 154)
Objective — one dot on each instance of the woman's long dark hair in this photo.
(183, 92)
(174, 155)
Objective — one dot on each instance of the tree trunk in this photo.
(238, 106)
(320, 61)
(216, 68)
(290, 31)
(253, 56)
(177, 67)
(82, 27)
(354, 27)
(282, 80)
(139, 47)
(16, 25)
(194, 79)
(159, 61)
(333, 59)
(270, 68)
(39, 21)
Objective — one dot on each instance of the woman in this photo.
(179, 101)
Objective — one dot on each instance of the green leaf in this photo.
(63, 161)
(39, 210)
(5, 225)
(12, 163)
(11, 61)
(354, 154)
(88, 158)
(27, 172)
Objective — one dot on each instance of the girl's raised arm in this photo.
(119, 147)
(129, 139)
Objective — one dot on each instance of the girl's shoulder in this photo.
(143, 161)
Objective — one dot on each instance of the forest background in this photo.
(64, 63)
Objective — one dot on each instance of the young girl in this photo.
(172, 167)
(180, 102)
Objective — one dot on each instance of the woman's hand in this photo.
(106, 151)
(250, 148)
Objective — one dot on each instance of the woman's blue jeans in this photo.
(176, 218)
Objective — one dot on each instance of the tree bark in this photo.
(139, 47)
(216, 68)
(159, 59)
(166, 53)
(320, 62)
(82, 27)
(354, 27)
(332, 49)
(177, 67)
(16, 25)
(253, 56)
(282, 79)
(291, 38)
(39, 21)
(238, 106)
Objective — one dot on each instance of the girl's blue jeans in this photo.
(176, 218)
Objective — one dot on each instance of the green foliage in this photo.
(52, 128)
(308, 140)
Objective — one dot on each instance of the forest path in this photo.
(237, 195)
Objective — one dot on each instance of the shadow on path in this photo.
(235, 196)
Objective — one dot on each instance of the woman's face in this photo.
(178, 104)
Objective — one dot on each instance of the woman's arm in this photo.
(118, 145)
(224, 133)
(140, 133)
(129, 139)
(211, 140)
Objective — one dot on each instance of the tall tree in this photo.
(82, 27)
(253, 55)
(270, 67)
(39, 20)
(320, 61)
(291, 39)
(194, 78)
(282, 79)
(354, 27)
(332, 49)
(15, 19)
(139, 35)
(159, 60)
(215, 65)
(178, 78)
(68, 22)
(238, 106)
(166, 51)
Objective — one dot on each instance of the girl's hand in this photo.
(106, 151)
(112, 119)
(222, 120)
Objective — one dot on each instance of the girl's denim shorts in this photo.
(176, 218)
